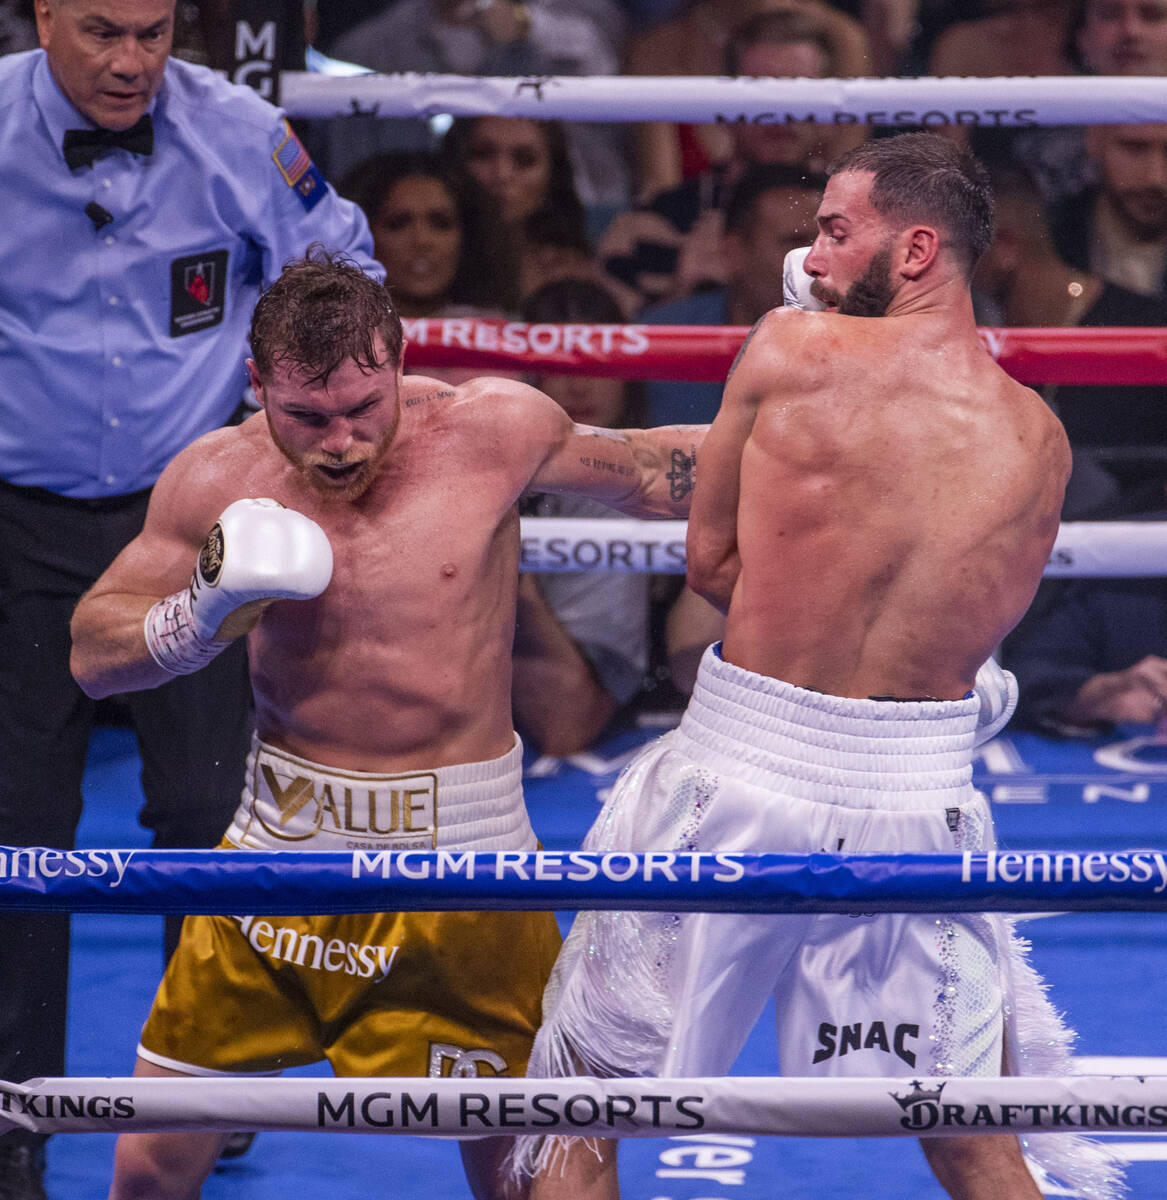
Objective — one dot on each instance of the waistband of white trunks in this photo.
(291, 803)
(893, 754)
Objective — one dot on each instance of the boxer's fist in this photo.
(256, 552)
(996, 689)
(796, 282)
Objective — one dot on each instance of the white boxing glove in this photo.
(256, 552)
(996, 689)
(796, 282)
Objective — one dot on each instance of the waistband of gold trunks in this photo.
(290, 803)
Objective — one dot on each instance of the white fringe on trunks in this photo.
(761, 765)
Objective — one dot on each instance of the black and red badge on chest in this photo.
(198, 287)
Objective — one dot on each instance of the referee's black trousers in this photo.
(193, 735)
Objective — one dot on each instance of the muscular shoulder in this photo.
(786, 349)
(482, 405)
(1042, 427)
(216, 469)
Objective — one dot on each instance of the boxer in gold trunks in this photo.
(364, 536)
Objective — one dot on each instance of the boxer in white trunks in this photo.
(364, 536)
(876, 506)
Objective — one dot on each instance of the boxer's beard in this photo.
(349, 488)
(872, 293)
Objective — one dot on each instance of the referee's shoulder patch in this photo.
(298, 170)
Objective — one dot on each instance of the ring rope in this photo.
(929, 101)
(1093, 549)
(585, 1106)
(275, 882)
(704, 353)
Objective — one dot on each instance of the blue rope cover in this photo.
(289, 882)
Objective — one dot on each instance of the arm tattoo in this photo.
(682, 468)
(603, 464)
(749, 338)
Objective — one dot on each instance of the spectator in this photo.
(437, 235)
(1096, 37)
(1092, 653)
(581, 637)
(1107, 37)
(672, 247)
(154, 198)
(1121, 37)
(1030, 284)
(1020, 37)
(698, 41)
(525, 166)
(771, 211)
(1118, 228)
(508, 37)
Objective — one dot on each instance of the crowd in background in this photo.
(689, 224)
(543, 221)
(685, 224)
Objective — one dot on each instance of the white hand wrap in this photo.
(257, 550)
(796, 282)
(996, 689)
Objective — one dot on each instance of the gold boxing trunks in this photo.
(451, 993)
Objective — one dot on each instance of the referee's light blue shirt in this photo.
(121, 345)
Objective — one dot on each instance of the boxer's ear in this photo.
(256, 382)
(920, 247)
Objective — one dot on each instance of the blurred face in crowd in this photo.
(417, 238)
(107, 56)
(851, 256)
(509, 158)
(1132, 163)
(1125, 37)
(586, 401)
(780, 143)
(782, 219)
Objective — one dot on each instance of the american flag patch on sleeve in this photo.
(298, 170)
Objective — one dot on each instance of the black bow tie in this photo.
(84, 146)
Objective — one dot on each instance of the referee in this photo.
(148, 201)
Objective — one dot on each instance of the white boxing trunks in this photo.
(759, 765)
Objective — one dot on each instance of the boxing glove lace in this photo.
(256, 552)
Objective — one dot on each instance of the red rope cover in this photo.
(1106, 356)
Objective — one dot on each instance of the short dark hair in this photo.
(760, 178)
(322, 311)
(924, 177)
(780, 27)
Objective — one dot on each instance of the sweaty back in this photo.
(899, 497)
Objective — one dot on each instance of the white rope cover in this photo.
(855, 1107)
(1114, 549)
(930, 102)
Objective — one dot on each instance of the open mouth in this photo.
(340, 474)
